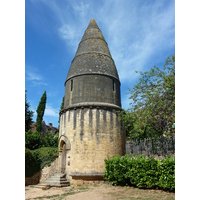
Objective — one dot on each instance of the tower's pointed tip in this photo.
(92, 20)
(92, 24)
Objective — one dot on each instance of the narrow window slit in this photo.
(71, 85)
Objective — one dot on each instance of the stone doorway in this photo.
(65, 147)
(63, 159)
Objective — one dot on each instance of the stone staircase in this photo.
(57, 180)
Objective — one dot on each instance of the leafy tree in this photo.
(40, 112)
(35, 141)
(32, 140)
(127, 117)
(61, 107)
(153, 102)
(28, 114)
(49, 140)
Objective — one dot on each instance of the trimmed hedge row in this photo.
(141, 172)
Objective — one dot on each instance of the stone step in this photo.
(60, 184)
(52, 182)
(56, 179)
(42, 186)
(55, 182)
(59, 175)
(46, 186)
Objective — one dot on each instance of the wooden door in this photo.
(63, 162)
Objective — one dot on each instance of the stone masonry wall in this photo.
(46, 172)
(152, 147)
(92, 88)
(94, 134)
(43, 174)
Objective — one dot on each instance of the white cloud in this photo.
(134, 37)
(71, 35)
(81, 9)
(70, 17)
(50, 111)
(33, 75)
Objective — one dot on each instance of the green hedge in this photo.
(141, 172)
(37, 159)
(32, 162)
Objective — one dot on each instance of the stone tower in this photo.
(89, 126)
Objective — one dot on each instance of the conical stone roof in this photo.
(93, 55)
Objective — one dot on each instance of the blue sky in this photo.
(139, 33)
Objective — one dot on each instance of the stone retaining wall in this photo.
(46, 172)
(43, 174)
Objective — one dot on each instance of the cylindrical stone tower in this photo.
(89, 126)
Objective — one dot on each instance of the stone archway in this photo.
(64, 146)
(64, 140)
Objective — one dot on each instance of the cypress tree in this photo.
(40, 112)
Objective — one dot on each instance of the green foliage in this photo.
(32, 162)
(128, 119)
(141, 172)
(61, 107)
(48, 140)
(47, 155)
(166, 170)
(153, 103)
(35, 141)
(28, 114)
(40, 112)
(37, 159)
(32, 140)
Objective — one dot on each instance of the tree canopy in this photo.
(152, 110)
(28, 114)
(40, 112)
